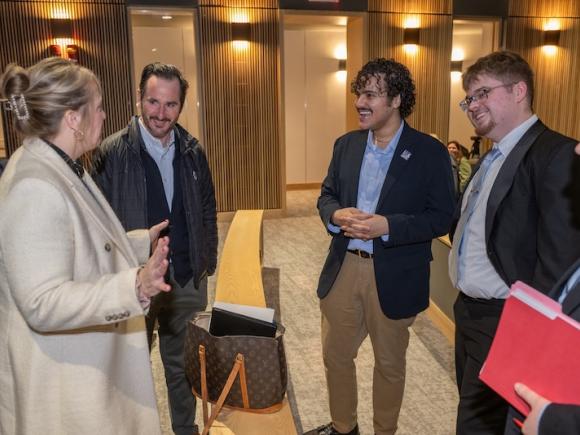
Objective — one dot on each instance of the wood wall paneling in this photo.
(544, 8)
(240, 105)
(556, 76)
(430, 66)
(412, 6)
(269, 4)
(100, 31)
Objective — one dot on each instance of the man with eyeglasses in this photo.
(514, 222)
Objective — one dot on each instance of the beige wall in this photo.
(314, 104)
(156, 40)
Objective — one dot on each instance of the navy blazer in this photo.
(417, 198)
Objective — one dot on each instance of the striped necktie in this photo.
(570, 284)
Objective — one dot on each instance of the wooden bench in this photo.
(239, 278)
(239, 281)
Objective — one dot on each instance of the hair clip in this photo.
(18, 105)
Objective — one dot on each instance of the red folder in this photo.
(535, 344)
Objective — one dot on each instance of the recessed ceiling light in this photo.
(166, 17)
(153, 49)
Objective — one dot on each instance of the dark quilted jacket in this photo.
(118, 171)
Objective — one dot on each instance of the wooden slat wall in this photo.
(557, 77)
(100, 31)
(270, 4)
(412, 6)
(544, 8)
(240, 95)
(430, 66)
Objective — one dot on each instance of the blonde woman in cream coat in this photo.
(73, 350)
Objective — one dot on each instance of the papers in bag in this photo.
(535, 344)
(235, 319)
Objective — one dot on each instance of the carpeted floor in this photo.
(295, 247)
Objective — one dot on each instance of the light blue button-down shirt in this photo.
(478, 277)
(163, 157)
(374, 168)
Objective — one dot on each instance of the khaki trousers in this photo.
(350, 312)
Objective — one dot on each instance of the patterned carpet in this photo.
(295, 247)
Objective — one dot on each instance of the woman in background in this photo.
(460, 164)
(73, 350)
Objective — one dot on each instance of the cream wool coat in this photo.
(73, 349)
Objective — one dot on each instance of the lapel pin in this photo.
(406, 154)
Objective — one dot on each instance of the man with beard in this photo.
(388, 193)
(154, 170)
(515, 222)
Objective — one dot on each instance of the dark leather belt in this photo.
(492, 301)
(359, 253)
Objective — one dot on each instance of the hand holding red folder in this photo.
(537, 345)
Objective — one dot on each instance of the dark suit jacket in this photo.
(417, 198)
(560, 420)
(530, 230)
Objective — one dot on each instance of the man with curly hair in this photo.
(389, 191)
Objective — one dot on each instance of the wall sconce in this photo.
(411, 39)
(341, 71)
(456, 66)
(552, 37)
(240, 35)
(61, 28)
(411, 36)
(241, 32)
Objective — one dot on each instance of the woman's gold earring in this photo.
(79, 135)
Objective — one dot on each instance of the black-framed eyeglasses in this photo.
(480, 94)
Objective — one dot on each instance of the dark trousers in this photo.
(480, 411)
(172, 311)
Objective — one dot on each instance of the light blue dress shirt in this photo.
(163, 157)
(374, 168)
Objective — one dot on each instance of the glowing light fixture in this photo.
(340, 51)
(456, 66)
(411, 35)
(62, 33)
(551, 37)
(457, 54)
(61, 28)
(240, 32)
(341, 71)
